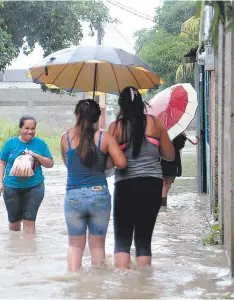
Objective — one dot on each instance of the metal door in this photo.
(207, 127)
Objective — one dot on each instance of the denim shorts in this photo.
(23, 204)
(87, 207)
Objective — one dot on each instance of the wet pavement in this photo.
(35, 268)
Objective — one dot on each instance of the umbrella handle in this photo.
(95, 80)
(194, 143)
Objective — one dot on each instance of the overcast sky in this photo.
(117, 35)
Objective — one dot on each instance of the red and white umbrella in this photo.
(176, 106)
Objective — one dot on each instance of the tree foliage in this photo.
(189, 32)
(173, 13)
(52, 24)
(190, 29)
(164, 46)
(164, 53)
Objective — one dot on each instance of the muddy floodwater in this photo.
(35, 268)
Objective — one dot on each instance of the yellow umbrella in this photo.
(100, 68)
(97, 93)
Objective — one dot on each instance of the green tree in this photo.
(164, 46)
(172, 14)
(53, 24)
(164, 52)
(189, 32)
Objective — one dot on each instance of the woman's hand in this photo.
(33, 154)
(44, 161)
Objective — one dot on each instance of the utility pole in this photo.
(99, 36)
(99, 41)
(101, 100)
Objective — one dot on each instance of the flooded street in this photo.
(35, 268)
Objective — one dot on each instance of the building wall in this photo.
(54, 113)
(228, 153)
(224, 122)
(219, 172)
(222, 139)
(213, 144)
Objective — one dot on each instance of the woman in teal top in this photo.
(23, 195)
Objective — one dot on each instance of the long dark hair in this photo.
(88, 113)
(132, 111)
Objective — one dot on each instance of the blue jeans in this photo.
(23, 204)
(87, 207)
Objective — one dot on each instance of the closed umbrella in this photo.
(94, 68)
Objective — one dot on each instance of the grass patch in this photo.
(228, 297)
(53, 143)
(7, 131)
(213, 237)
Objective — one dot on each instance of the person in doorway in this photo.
(138, 188)
(87, 203)
(23, 195)
(172, 169)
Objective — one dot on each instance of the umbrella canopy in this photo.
(175, 106)
(51, 86)
(94, 68)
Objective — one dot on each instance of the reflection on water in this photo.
(35, 267)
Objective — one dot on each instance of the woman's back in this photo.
(147, 163)
(80, 175)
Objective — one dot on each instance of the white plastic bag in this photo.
(23, 166)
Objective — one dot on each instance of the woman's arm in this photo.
(62, 151)
(114, 130)
(117, 155)
(167, 149)
(46, 162)
(2, 172)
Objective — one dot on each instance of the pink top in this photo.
(152, 140)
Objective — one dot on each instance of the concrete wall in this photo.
(110, 117)
(213, 141)
(228, 155)
(219, 172)
(224, 117)
(53, 112)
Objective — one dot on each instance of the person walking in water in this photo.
(172, 169)
(23, 195)
(138, 188)
(87, 203)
